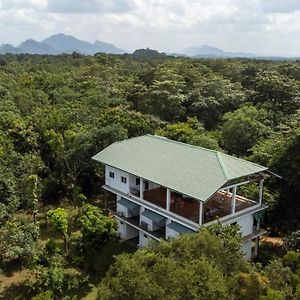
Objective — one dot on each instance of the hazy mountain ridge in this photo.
(209, 51)
(61, 43)
(58, 44)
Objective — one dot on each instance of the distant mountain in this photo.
(209, 51)
(61, 43)
(8, 48)
(33, 47)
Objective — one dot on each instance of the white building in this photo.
(165, 188)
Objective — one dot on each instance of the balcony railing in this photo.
(134, 191)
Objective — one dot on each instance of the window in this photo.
(146, 185)
(145, 236)
(111, 174)
(137, 181)
(123, 179)
(121, 222)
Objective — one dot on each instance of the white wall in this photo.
(246, 249)
(127, 212)
(123, 209)
(116, 182)
(131, 232)
(144, 241)
(121, 229)
(170, 233)
(132, 181)
(246, 224)
(125, 231)
(151, 225)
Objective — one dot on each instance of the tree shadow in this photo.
(19, 291)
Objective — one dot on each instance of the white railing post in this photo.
(141, 188)
(233, 200)
(261, 191)
(200, 212)
(168, 200)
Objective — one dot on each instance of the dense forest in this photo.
(56, 112)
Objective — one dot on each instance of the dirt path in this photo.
(278, 241)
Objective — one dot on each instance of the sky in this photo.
(264, 27)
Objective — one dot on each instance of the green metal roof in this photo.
(127, 203)
(152, 216)
(179, 228)
(194, 171)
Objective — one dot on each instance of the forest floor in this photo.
(273, 240)
(14, 281)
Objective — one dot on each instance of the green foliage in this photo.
(55, 278)
(273, 295)
(280, 94)
(60, 222)
(243, 128)
(18, 242)
(206, 265)
(56, 112)
(48, 295)
(279, 277)
(292, 241)
(191, 132)
(96, 228)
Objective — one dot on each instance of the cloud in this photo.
(280, 6)
(259, 26)
(22, 4)
(88, 6)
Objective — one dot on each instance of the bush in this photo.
(292, 241)
(55, 277)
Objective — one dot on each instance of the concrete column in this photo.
(261, 191)
(141, 188)
(168, 200)
(233, 200)
(200, 213)
(256, 247)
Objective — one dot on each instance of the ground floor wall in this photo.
(125, 231)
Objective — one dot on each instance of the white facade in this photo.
(117, 179)
(247, 249)
(128, 187)
(171, 234)
(126, 212)
(151, 226)
(125, 231)
(145, 240)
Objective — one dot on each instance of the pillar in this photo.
(233, 200)
(261, 191)
(168, 200)
(141, 188)
(200, 213)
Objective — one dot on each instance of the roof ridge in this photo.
(181, 143)
(243, 160)
(222, 165)
(132, 138)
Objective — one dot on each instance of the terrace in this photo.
(218, 206)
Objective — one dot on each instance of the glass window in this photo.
(111, 174)
(123, 179)
(137, 181)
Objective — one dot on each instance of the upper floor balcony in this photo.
(223, 203)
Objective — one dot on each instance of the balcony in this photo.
(218, 206)
(179, 204)
(135, 222)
